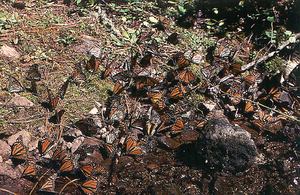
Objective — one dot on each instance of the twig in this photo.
(5, 190)
(26, 121)
(38, 182)
(264, 58)
(257, 103)
(67, 185)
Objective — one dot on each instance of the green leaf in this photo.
(288, 33)
(131, 31)
(270, 19)
(216, 11)
(292, 39)
(153, 20)
(181, 9)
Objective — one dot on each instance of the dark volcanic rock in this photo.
(226, 147)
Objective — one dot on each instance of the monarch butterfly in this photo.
(52, 101)
(70, 164)
(60, 154)
(203, 87)
(173, 38)
(90, 186)
(49, 185)
(258, 123)
(264, 116)
(223, 51)
(198, 56)
(33, 73)
(78, 76)
(91, 169)
(182, 62)
(93, 64)
(45, 145)
(119, 87)
(56, 118)
(63, 89)
(150, 128)
(235, 69)
(30, 170)
(18, 150)
(33, 87)
(98, 169)
(133, 60)
(86, 126)
(144, 36)
(87, 170)
(206, 71)
(178, 127)
(163, 24)
(20, 4)
(186, 76)
(177, 92)
(155, 97)
(235, 98)
(154, 46)
(250, 80)
(274, 94)
(110, 149)
(146, 60)
(14, 85)
(132, 147)
(200, 125)
(249, 107)
(116, 114)
(112, 71)
(210, 54)
(95, 51)
(149, 81)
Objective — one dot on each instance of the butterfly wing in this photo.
(64, 88)
(30, 170)
(49, 185)
(178, 127)
(14, 85)
(90, 186)
(45, 145)
(33, 74)
(18, 150)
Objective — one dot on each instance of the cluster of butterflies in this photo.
(60, 160)
(244, 92)
(150, 100)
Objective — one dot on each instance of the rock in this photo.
(7, 170)
(41, 131)
(20, 101)
(94, 111)
(25, 137)
(226, 147)
(5, 150)
(33, 145)
(9, 52)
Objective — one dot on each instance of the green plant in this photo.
(7, 20)
(66, 39)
